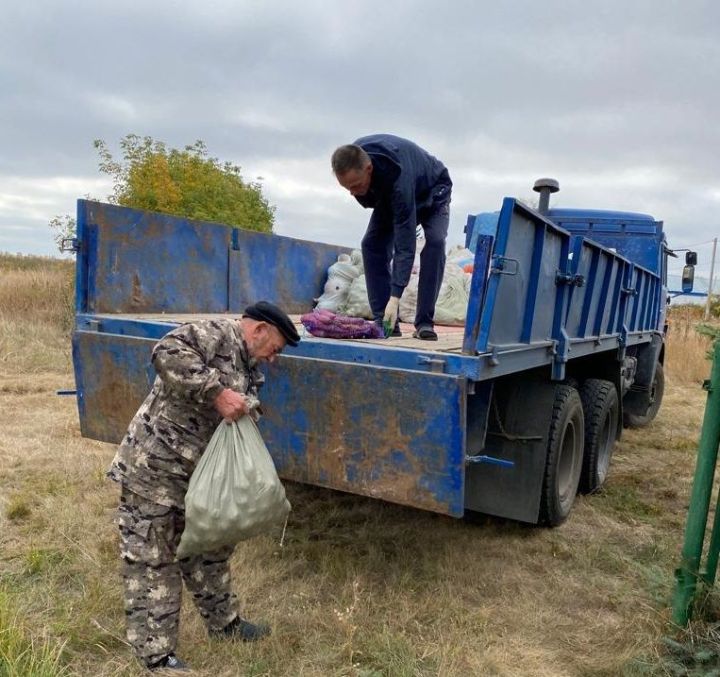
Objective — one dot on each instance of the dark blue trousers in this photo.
(377, 251)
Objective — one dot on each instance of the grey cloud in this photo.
(591, 92)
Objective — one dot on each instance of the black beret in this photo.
(262, 311)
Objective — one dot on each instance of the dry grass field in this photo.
(360, 588)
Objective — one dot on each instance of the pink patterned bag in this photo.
(326, 324)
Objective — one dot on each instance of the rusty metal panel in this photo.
(134, 261)
(283, 270)
(139, 261)
(113, 376)
(386, 433)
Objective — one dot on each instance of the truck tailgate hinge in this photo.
(499, 265)
(569, 279)
(70, 244)
(436, 365)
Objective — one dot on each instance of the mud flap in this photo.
(517, 432)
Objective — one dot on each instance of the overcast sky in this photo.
(618, 100)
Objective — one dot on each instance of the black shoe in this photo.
(425, 333)
(170, 662)
(242, 629)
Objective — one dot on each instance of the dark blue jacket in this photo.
(406, 181)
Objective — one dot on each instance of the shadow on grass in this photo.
(343, 535)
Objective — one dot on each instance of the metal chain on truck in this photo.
(504, 433)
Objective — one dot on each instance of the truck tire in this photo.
(564, 456)
(602, 408)
(656, 394)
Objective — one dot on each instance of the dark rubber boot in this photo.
(170, 662)
(244, 630)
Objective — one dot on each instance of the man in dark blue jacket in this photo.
(405, 186)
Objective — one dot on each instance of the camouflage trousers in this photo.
(153, 577)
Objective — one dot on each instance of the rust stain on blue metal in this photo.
(115, 396)
(368, 463)
(112, 377)
(398, 436)
(147, 262)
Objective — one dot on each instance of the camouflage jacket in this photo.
(174, 424)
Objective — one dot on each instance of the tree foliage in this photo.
(709, 330)
(184, 182)
(714, 305)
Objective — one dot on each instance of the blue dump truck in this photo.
(510, 416)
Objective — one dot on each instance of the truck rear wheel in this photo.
(564, 456)
(656, 394)
(601, 407)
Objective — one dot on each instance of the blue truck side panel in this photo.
(125, 249)
(321, 420)
(265, 266)
(138, 261)
(549, 288)
(113, 375)
(333, 425)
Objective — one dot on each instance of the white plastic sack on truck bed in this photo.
(452, 302)
(235, 492)
(340, 277)
(451, 306)
(357, 304)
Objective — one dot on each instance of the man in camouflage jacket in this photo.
(207, 371)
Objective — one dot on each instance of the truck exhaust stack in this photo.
(545, 187)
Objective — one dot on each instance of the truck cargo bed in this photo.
(449, 338)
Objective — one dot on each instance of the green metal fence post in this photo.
(711, 564)
(689, 571)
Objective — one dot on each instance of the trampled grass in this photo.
(360, 588)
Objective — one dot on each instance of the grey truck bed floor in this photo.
(449, 338)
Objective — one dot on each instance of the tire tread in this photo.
(595, 395)
(550, 514)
